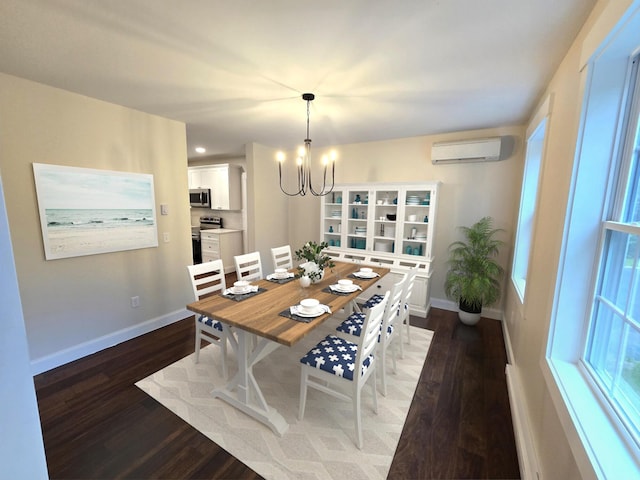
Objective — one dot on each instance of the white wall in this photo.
(75, 306)
(21, 447)
(468, 191)
(527, 325)
(268, 216)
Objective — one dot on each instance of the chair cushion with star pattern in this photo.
(353, 325)
(210, 323)
(335, 355)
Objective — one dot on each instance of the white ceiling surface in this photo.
(234, 70)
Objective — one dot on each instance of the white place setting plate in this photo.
(321, 309)
(235, 291)
(275, 276)
(345, 289)
(365, 275)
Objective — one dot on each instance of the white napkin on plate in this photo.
(294, 309)
(272, 276)
(338, 288)
(231, 291)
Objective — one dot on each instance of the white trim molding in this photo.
(70, 354)
(527, 455)
(494, 313)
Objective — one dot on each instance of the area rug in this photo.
(321, 446)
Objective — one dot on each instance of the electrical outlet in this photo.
(135, 302)
(165, 235)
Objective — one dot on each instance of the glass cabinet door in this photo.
(332, 218)
(416, 222)
(358, 214)
(385, 220)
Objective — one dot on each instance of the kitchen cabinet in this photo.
(224, 181)
(221, 243)
(386, 224)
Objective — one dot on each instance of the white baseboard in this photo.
(445, 304)
(70, 354)
(507, 341)
(527, 456)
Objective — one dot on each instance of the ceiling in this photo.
(234, 70)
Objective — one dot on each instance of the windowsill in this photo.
(519, 286)
(596, 443)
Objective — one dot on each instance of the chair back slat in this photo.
(207, 278)
(406, 294)
(393, 304)
(248, 266)
(282, 257)
(370, 331)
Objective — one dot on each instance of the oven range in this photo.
(206, 222)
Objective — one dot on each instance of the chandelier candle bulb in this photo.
(304, 180)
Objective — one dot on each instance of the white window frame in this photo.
(533, 166)
(600, 445)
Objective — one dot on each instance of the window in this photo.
(536, 135)
(593, 350)
(613, 348)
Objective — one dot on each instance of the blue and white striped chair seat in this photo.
(216, 325)
(335, 355)
(353, 325)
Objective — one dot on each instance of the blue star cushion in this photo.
(210, 323)
(335, 355)
(353, 325)
(373, 301)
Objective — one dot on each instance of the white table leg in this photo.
(243, 391)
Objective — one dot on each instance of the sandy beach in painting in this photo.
(80, 241)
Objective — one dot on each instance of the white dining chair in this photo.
(248, 266)
(353, 325)
(207, 279)
(405, 310)
(346, 365)
(282, 257)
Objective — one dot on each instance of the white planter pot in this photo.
(468, 318)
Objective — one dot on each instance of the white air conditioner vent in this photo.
(467, 151)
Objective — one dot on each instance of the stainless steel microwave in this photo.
(200, 197)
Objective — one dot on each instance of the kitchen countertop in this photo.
(219, 230)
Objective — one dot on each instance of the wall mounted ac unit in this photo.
(466, 151)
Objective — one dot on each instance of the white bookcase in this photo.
(386, 224)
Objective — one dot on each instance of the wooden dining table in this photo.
(258, 329)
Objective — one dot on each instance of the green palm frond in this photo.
(474, 274)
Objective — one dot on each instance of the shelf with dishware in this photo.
(388, 218)
(384, 224)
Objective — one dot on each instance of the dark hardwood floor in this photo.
(98, 425)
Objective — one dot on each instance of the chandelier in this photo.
(303, 164)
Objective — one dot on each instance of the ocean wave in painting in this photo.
(80, 218)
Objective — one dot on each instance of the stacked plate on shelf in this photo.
(361, 231)
(336, 214)
(413, 200)
(421, 236)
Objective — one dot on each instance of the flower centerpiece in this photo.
(316, 261)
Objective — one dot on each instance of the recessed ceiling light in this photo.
(200, 149)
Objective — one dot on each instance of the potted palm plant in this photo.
(473, 278)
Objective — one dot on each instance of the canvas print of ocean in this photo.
(80, 218)
(87, 211)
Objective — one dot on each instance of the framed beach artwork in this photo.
(85, 211)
